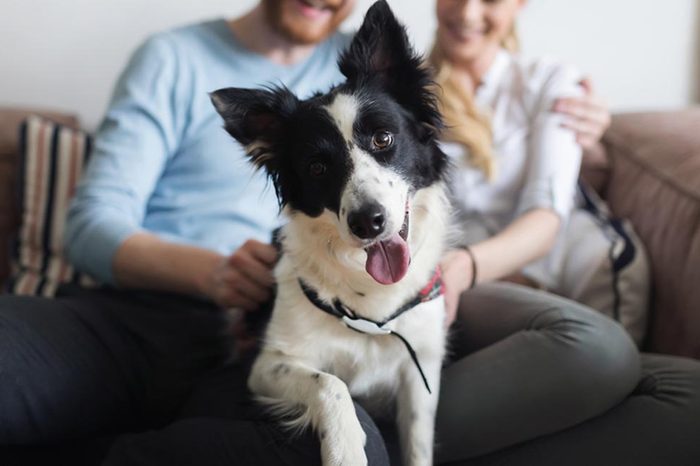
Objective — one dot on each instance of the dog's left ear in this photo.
(381, 51)
(256, 118)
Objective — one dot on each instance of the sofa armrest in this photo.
(654, 181)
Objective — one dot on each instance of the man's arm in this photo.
(135, 140)
(243, 280)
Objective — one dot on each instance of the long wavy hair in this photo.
(465, 124)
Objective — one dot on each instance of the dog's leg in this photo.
(415, 410)
(324, 398)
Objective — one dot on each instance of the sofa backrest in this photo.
(654, 181)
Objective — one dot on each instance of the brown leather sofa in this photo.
(648, 168)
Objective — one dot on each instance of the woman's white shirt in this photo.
(537, 161)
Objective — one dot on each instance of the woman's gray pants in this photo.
(537, 380)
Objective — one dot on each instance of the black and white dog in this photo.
(359, 310)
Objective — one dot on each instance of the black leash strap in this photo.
(366, 326)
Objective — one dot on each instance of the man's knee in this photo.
(375, 447)
(230, 441)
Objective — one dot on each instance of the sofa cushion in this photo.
(10, 120)
(655, 182)
(52, 158)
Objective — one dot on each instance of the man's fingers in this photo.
(246, 263)
(259, 273)
(248, 289)
(243, 286)
(264, 252)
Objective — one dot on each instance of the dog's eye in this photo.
(382, 139)
(317, 169)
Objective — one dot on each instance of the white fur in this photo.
(343, 110)
(311, 365)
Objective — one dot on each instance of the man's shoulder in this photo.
(189, 35)
(340, 40)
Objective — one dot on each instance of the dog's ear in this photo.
(256, 118)
(379, 47)
(381, 52)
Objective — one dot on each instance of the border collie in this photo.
(359, 309)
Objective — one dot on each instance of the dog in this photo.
(359, 311)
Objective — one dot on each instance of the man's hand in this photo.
(456, 268)
(244, 279)
(588, 116)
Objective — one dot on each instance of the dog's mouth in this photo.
(388, 259)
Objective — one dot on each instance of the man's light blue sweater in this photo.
(162, 162)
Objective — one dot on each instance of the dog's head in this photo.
(356, 155)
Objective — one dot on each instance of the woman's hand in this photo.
(588, 116)
(244, 279)
(456, 268)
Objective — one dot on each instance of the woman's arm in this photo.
(587, 115)
(528, 238)
(544, 200)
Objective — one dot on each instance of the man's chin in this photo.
(300, 31)
(302, 36)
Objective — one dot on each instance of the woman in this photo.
(530, 367)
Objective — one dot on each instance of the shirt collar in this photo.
(493, 76)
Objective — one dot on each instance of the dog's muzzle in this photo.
(387, 259)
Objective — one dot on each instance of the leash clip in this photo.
(365, 326)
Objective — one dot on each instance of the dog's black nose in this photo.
(368, 221)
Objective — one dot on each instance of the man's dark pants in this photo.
(134, 378)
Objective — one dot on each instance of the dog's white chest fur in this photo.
(369, 364)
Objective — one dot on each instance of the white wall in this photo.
(66, 54)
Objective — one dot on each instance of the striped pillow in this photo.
(51, 162)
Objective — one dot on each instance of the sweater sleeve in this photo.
(554, 156)
(132, 146)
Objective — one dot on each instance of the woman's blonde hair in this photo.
(464, 123)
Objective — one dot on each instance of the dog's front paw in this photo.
(344, 447)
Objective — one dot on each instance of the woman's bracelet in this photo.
(473, 258)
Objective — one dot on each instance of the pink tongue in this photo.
(387, 261)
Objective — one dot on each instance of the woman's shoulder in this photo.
(545, 74)
(545, 78)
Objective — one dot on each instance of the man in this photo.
(168, 204)
(175, 223)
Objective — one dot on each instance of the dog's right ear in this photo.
(256, 118)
